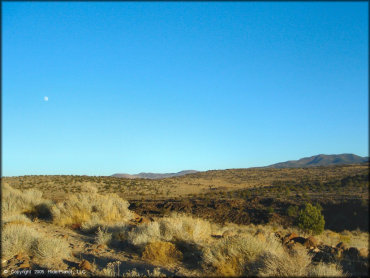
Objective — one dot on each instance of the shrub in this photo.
(102, 236)
(91, 207)
(18, 238)
(46, 248)
(284, 265)
(15, 239)
(292, 211)
(325, 270)
(143, 234)
(176, 227)
(311, 220)
(231, 256)
(14, 201)
(163, 253)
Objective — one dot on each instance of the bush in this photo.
(90, 209)
(20, 238)
(292, 211)
(327, 270)
(284, 265)
(161, 252)
(311, 220)
(103, 236)
(14, 201)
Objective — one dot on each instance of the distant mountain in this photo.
(154, 175)
(321, 160)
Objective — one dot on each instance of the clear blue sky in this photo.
(163, 87)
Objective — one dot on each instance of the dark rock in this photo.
(342, 246)
(310, 242)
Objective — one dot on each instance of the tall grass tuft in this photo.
(91, 208)
(19, 238)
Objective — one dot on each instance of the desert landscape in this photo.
(184, 139)
(240, 222)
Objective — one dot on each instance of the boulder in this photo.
(76, 226)
(310, 242)
(298, 239)
(353, 253)
(85, 265)
(338, 252)
(144, 220)
(25, 264)
(135, 216)
(342, 245)
(289, 237)
(19, 256)
(101, 246)
(323, 257)
(279, 235)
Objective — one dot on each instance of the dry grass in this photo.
(185, 228)
(15, 202)
(16, 239)
(112, 270)
(282, 264)
(22, 239)
(91, 208)
(355, 238)
(325, 270)
(231, 179)
(103, 236)
(176, 227)
(15, 219)
(162, 253)
(46, 248)
(230, 256)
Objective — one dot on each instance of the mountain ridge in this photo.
(321, 160)
(312, 161)
(144, 175)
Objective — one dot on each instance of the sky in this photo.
(94, 88)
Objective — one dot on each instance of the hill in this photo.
(154, 175)
(321, 160)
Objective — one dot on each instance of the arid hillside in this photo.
(237, 222)
(58, 187)
(93, 234)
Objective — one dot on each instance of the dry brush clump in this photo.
(174, 228)
(162, 253)
(103, 236)
(90, 209)
(23, 239)
(14, 201)
(325, 270)
(231, 255)
(283, 264)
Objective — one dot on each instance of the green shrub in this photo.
(292, 211)
(311, 220)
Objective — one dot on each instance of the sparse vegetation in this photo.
(185, 244)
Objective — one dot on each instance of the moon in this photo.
(46, 98)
